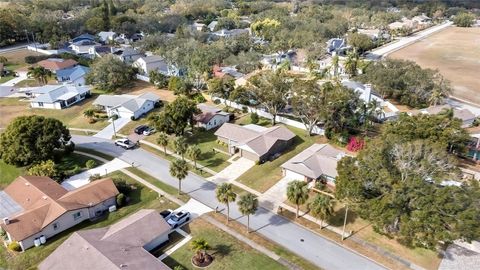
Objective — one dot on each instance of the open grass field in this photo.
(16, 59)
(455, 53)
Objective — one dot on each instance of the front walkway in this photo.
(107, 132)
(276, 195)
(461, 255)
(233, 171)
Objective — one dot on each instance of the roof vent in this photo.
(27, 184)
(44, 197)
(6, 221)
(123, 265)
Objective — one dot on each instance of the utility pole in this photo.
(345, 222)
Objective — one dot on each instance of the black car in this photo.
(139, 130)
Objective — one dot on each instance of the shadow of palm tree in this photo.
(221, 250)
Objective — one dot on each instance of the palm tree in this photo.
(163, 141)
(225, 194)
(248, 205)
(179, 170)
(322, 208)
(3, 60)
(351, 64)
(200, 246)
(89, 114)
(193, 153)
(40, 74)
(335, 66)
(297, 193)
(180, 146)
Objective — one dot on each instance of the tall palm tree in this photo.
(89, 114)
(193, 153)
(248, 205)
(225, 194)
(40, 74)
(180, 146)
(297, 193)
(322, 208)
(163, 141)
(351, 64)
(335, 65)
(179, 170)
(200, 246)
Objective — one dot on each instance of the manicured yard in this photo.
(228, 252)
(6, 78)
(8, 173)
(262, 177)
(140, 198)
(207, 142)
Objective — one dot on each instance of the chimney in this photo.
(367, 93)
(6, 221)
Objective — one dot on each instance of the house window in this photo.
(55, 226)
(40, 104)
(77, 215)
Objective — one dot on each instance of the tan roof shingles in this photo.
(56, 64)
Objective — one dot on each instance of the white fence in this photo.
(279, 119)
(38, 49)
(143, 78)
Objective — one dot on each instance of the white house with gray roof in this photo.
(56, 96)
(318, 162)
(127, 106)
(147, 64)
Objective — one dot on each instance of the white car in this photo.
(149, 131)
(178, 219)
(125, 143)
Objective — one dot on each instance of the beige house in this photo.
(255, 142)
(465, 115)
(35, 208)
(124, 245)
(318, 162)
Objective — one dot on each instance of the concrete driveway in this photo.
(107, 132)
(22, 75)
(233, 171)
(195, 208)
(276, 195)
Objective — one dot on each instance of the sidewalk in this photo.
(108, 131)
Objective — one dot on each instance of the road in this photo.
(13, 48)
(303, 242)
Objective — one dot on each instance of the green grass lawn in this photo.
(72, 160)
(8, 173)
(140, 198)
(228, 252)
(6, 78)
(207, 141)
(262, 177)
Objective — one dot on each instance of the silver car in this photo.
(178, 219)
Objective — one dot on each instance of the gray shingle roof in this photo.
(129, 102)
(52, 93)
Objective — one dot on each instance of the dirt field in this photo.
(455, 52)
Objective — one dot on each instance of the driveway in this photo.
(107, 132)
(22, 75)
(461, 255)
(82, 179)
(233, 171)
(276, 195)
(195, 208)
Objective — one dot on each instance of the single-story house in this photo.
(211, 117)
(337, 45)
(422, 19)
(74, 76)
(219, 72)
(146, 64)
(318, 162)
(211, 26)
(56, 96)
(106, 36)
(474, 144)
(128, 55)
(365, 91)
(123, 245)
(255, 142)
(56, 64)
(127, 106)
(374, 34)
(465, 115)
(36, 208)
(100, 51)
(83, 47)
(231, 33)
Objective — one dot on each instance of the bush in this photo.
(132, 118)
(115, 117)
(69, 148)
(217, 101)
(122, 186)
(94, 177)
(90, 164)
(244, 109)
(199, 98)
(15, 246)
(121, 199)
(32, 59)
(254, 118)
(355, 144)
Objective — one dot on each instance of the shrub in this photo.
(90, 164)
(121, 199)
(69, 148)
(94, 177)
(122, 186)
(32, 59)
(199, 98)
(132, 118)
(355, 144)
(115, 117)
(254, 118)
(15, 246)
(217, 101)
(244, 109)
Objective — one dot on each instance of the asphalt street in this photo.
(303, 242)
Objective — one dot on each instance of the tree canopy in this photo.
(109, 73)
(176, 116)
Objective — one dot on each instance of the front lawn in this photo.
(228, 252)
(264, 176)
(6, 78)
(140, 198)
(8, 173)
(207, 142)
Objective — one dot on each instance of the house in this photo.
(365, 91)
(56, 64)
(405, 23)
(75, 75)
(211, 26)
(374, 34)
(100, 51)
(198, 26)
(128, 55)
(123, 245)
(465, 115)
(231, 33)
(474, 144)
(35, 208)
(146, 64)
(83, 37)
(211, 117)
(337, 45)
(231, 71)
(128, 106)
(422, 19)
(83, 47)
(316, 163)
(273, 61)
(106, 36)
(255, 142)
(56, 96)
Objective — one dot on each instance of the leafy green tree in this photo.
(248, 205)
(226, 195)
(360, 42)
(109, 73)
(176, 116)
(322, 208)
(3, 60)
(180, 146)
(158, 79)
(265, 28)
(297, 193)
(464, 20)
(193, 153)
(90, 164)
(40, 74)
(221, 87)
(44, 168)
(163, 141)
(32, 139)
(179, 170)
(308, 102)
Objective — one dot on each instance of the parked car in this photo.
(178, 219)
(139, 130)
(125, 143)
(166, 214)
(149, 131)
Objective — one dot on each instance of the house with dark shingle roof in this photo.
(56, 64)
(123, 245)
(39, 208)
(211, 117)
(255, 142)
(75, 75)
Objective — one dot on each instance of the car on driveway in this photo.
(139, 130)
(125, 143)
(166, 214)
(178, 219)
(149, 131)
